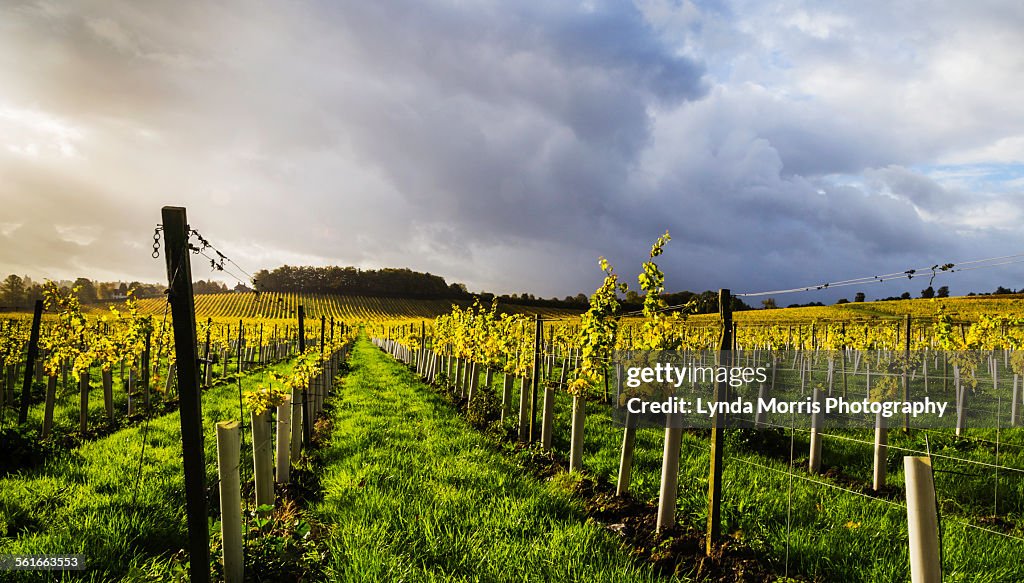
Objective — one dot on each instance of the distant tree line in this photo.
(351, 281)
(19, 292)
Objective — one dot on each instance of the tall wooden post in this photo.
(537, 335)
(33, 354)
(207, 364)
(718, 430)
(305, 390)
(906, 374)
(183, 314)
(321, 390)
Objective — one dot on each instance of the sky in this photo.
(508, 145)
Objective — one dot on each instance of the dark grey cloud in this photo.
(507, 145)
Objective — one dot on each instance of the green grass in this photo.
(414, 494)
(81, 501)
(833, 535)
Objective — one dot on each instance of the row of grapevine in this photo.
(127, 357)
(858, 358)
(283, 306)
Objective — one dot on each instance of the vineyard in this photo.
(813, 502)
(284, 306)
(351, 439)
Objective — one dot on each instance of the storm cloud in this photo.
(508, 145)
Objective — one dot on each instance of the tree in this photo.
(905, 296)
(943, 292)
(859, 297)
(928, 293)
(106, 290)
(12, 292)
(86, 290)
(769, 304)
(843, 301)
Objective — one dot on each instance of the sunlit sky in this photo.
(507, 145)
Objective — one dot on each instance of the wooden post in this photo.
(305, 398)
(107, 377)
(226, 352)
(922, 521)
(906, 373)
(33, 354)
(208, 365)
(537, 369)
(183, 315)
(718, 430)
(83, 410)
(321, 386)
(228, 457)
(240, 348)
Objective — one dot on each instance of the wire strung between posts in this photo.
(216, 263)
(909, 274)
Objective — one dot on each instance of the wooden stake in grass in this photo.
(108, 393)
(83, 411)
(718, 429)
(183, 315)
(228, 457)
(33, 354)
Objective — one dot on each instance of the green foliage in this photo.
(598, 327)
(265, 398)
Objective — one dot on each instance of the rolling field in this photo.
(284, 306)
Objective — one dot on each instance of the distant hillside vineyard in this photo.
(285, 305)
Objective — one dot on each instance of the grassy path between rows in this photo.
(414, 494)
